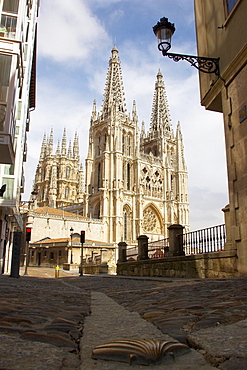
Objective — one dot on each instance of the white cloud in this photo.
(69, 32)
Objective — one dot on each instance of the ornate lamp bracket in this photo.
(203, 64)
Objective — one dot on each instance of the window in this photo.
(8, 26)
(99, 176)
(11, 6)
(2, 116)
(9, 169)
(5, 64)
(123, 144)
(128, 145)
(128, 176)
(230, 5)
(9, 187)
(67, 174)
(66, 193)
(125, 226)
(52, 255)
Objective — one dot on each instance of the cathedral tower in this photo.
(59, 179)
(136, 183)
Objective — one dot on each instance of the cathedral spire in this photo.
(58, 151)
(70, 150)
(76, 146)
(160, 120)
(43, 147)
(114, 94)
(64, 143)
(180, 149)
(134, 112)
(50, 144)
(94, 111)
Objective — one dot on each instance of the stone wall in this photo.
(208, 265)
(95, 269)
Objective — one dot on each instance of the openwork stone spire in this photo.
(160, 119)
(64, 143)
(114, 93)
(76, 146)
(50, 144)
(43, 147)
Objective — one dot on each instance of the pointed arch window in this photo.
(99, 176)
(66, 193)
(67, 173)
(128, 145)
(99, 146)
(128, 176)
(123, 144)
(125, 226)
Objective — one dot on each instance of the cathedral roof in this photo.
(56, 212)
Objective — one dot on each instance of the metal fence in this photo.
(207, 240)
(132, 253)
(156, 249)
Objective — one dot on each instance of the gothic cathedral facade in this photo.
(135, 182)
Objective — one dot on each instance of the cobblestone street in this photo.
(49, 323)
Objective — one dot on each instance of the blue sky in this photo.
(75, 38)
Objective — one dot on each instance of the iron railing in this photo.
(158, 248)
(132, 253)
(207, 240)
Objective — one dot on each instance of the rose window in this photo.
(149, 221)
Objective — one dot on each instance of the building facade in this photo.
(18, 32)
(55, 240)
(136, 182)
(222, 32)
(59, 179)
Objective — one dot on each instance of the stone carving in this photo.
(149, 220)
(138, 351)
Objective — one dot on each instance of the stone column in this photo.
(227, 215)
(176, 240)
(122, 246)
(142, 247)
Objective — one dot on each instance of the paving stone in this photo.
(43, 301)
(55, 340)
(112, 322)
(16, 320)
(12, 329)
(224, 341)
(208, 322)
(16, 354)
(235, 363)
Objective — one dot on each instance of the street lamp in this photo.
(164, 30)
(71, 254)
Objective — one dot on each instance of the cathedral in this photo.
(135, 182)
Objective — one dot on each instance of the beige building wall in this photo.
(222, 32)
(54, 223)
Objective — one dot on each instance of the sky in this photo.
(75, 39)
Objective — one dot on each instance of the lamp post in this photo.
(164, 30)
(71, 253)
